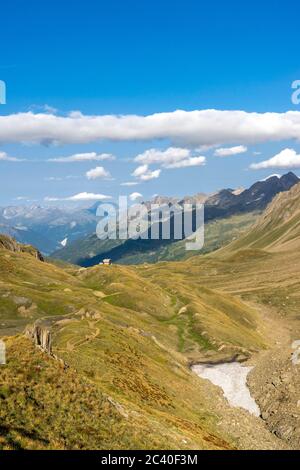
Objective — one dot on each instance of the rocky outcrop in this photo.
(10, 244)
(37, 254)
(41, 336)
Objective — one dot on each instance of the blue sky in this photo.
(144, 57)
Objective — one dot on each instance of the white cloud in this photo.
(130, 183)
(83, 157)
(98, 172)
(150, 175)
(173, 157)
(191, 161)
(61, 178)
(7, 158)
(53, 178)
(140, 170)
(135, 196)
(287, 158)
(163, 157)
(40, 108)
(143, 173)
(72, 177)
(80, 197)
(226, 152)
(186, 128)
(50, 109)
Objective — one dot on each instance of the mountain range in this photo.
(227, 213)
(69, 234)
(48, 228)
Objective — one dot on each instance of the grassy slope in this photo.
(30, 289)
(278, 229)
(44, 406)
(131, 339)
(263, 266)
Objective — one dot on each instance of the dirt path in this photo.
(71, 346)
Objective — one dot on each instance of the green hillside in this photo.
(128, 343)
(278, 229)
(125, 337)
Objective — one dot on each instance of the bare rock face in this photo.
(41, 336)
(38, 255)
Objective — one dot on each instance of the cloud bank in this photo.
(186, 128)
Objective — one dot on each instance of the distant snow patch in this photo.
(64, 242)
(271, 176)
